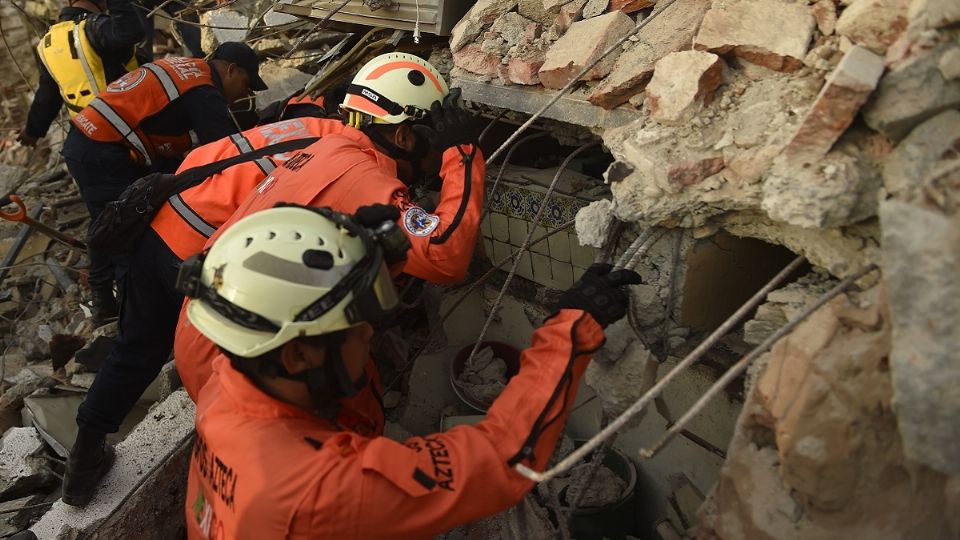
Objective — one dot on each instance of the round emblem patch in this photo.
(128, 81)
(418, 222)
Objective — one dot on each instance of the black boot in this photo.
(105, 306)
(90, 458)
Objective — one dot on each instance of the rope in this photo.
(526, 245)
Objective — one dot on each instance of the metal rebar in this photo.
(633, 247)
(492, 123)
(671, 296)
(737, 369)
(661, 6)
(503, 167)
(655, 237)
(651, 394)
(595, 464)
(526, 245)
(473, 286)
(316, 27)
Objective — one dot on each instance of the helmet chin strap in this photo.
(331, 382)
(414, 157)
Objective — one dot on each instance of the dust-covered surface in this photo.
(606, 487)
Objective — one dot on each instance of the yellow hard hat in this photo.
(284, 273)
(395, 87)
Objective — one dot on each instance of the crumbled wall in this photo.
(830, 128)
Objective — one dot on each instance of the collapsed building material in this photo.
(23, 464)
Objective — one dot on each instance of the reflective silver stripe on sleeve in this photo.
(169, 86)
(191, 217)
(121, 126)
(77, 44)
(244, 146)
(194, 139)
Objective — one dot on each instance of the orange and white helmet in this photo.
(392, 88)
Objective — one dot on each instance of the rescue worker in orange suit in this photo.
(391, 135)
(150, 302)
(269, 460)
(301, 104)
(79, 55)
(145, 122)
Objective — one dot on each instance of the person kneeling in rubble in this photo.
(292, 295)
(401, 121)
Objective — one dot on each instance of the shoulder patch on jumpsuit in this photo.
(418, 222)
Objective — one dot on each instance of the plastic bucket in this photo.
(510, 356)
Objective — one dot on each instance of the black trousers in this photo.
(150, 307)
(103, 171)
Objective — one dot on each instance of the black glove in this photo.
(375, 214)
(452, 125)
(333, 97)
(599, 293)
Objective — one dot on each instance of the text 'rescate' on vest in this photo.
(117, 113)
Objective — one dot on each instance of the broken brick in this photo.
(630, 6)
(841, 97)
(674, 31)
(583, 43)
(480, 15)
(682, 82)
(570, 13)
(874, 24)
(772, 34)
(688, 173)
(825, 13)
(473, 59)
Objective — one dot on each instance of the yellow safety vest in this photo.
(74, 64)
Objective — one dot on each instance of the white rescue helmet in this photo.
(283, 273)
(393, 88)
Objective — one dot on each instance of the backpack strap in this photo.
(196, 175)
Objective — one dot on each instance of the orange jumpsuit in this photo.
(345, 172)
(262, 468)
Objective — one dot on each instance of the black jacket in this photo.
(112, 34)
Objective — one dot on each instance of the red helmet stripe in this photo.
(363, 104)
(377, 73)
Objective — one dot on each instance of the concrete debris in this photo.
(282, 81)
(621, 382)
(917, 155)
(785, 303)
(475, 60)
(674, 31)
(534, 10)
(606, 487)
(570, 13)
(682, 82)
(921, 79)
(838, 190)
(920, 261)
(480, 15)
(772, 34)
(222, 25)
(23, 464)
(142, 494)
(949, 65)
(874, 24)
(825, 13)
(593, 223)
(816, 452)
(582, 44)
(845, 91)
(514, 27)
(933, 14)
(594, 7)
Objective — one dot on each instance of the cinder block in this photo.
(518, 231)
(500, 228)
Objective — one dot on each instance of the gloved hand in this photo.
(25, 138)
(373, 215)
(599, 292)
(452, 125)
(333, 97)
